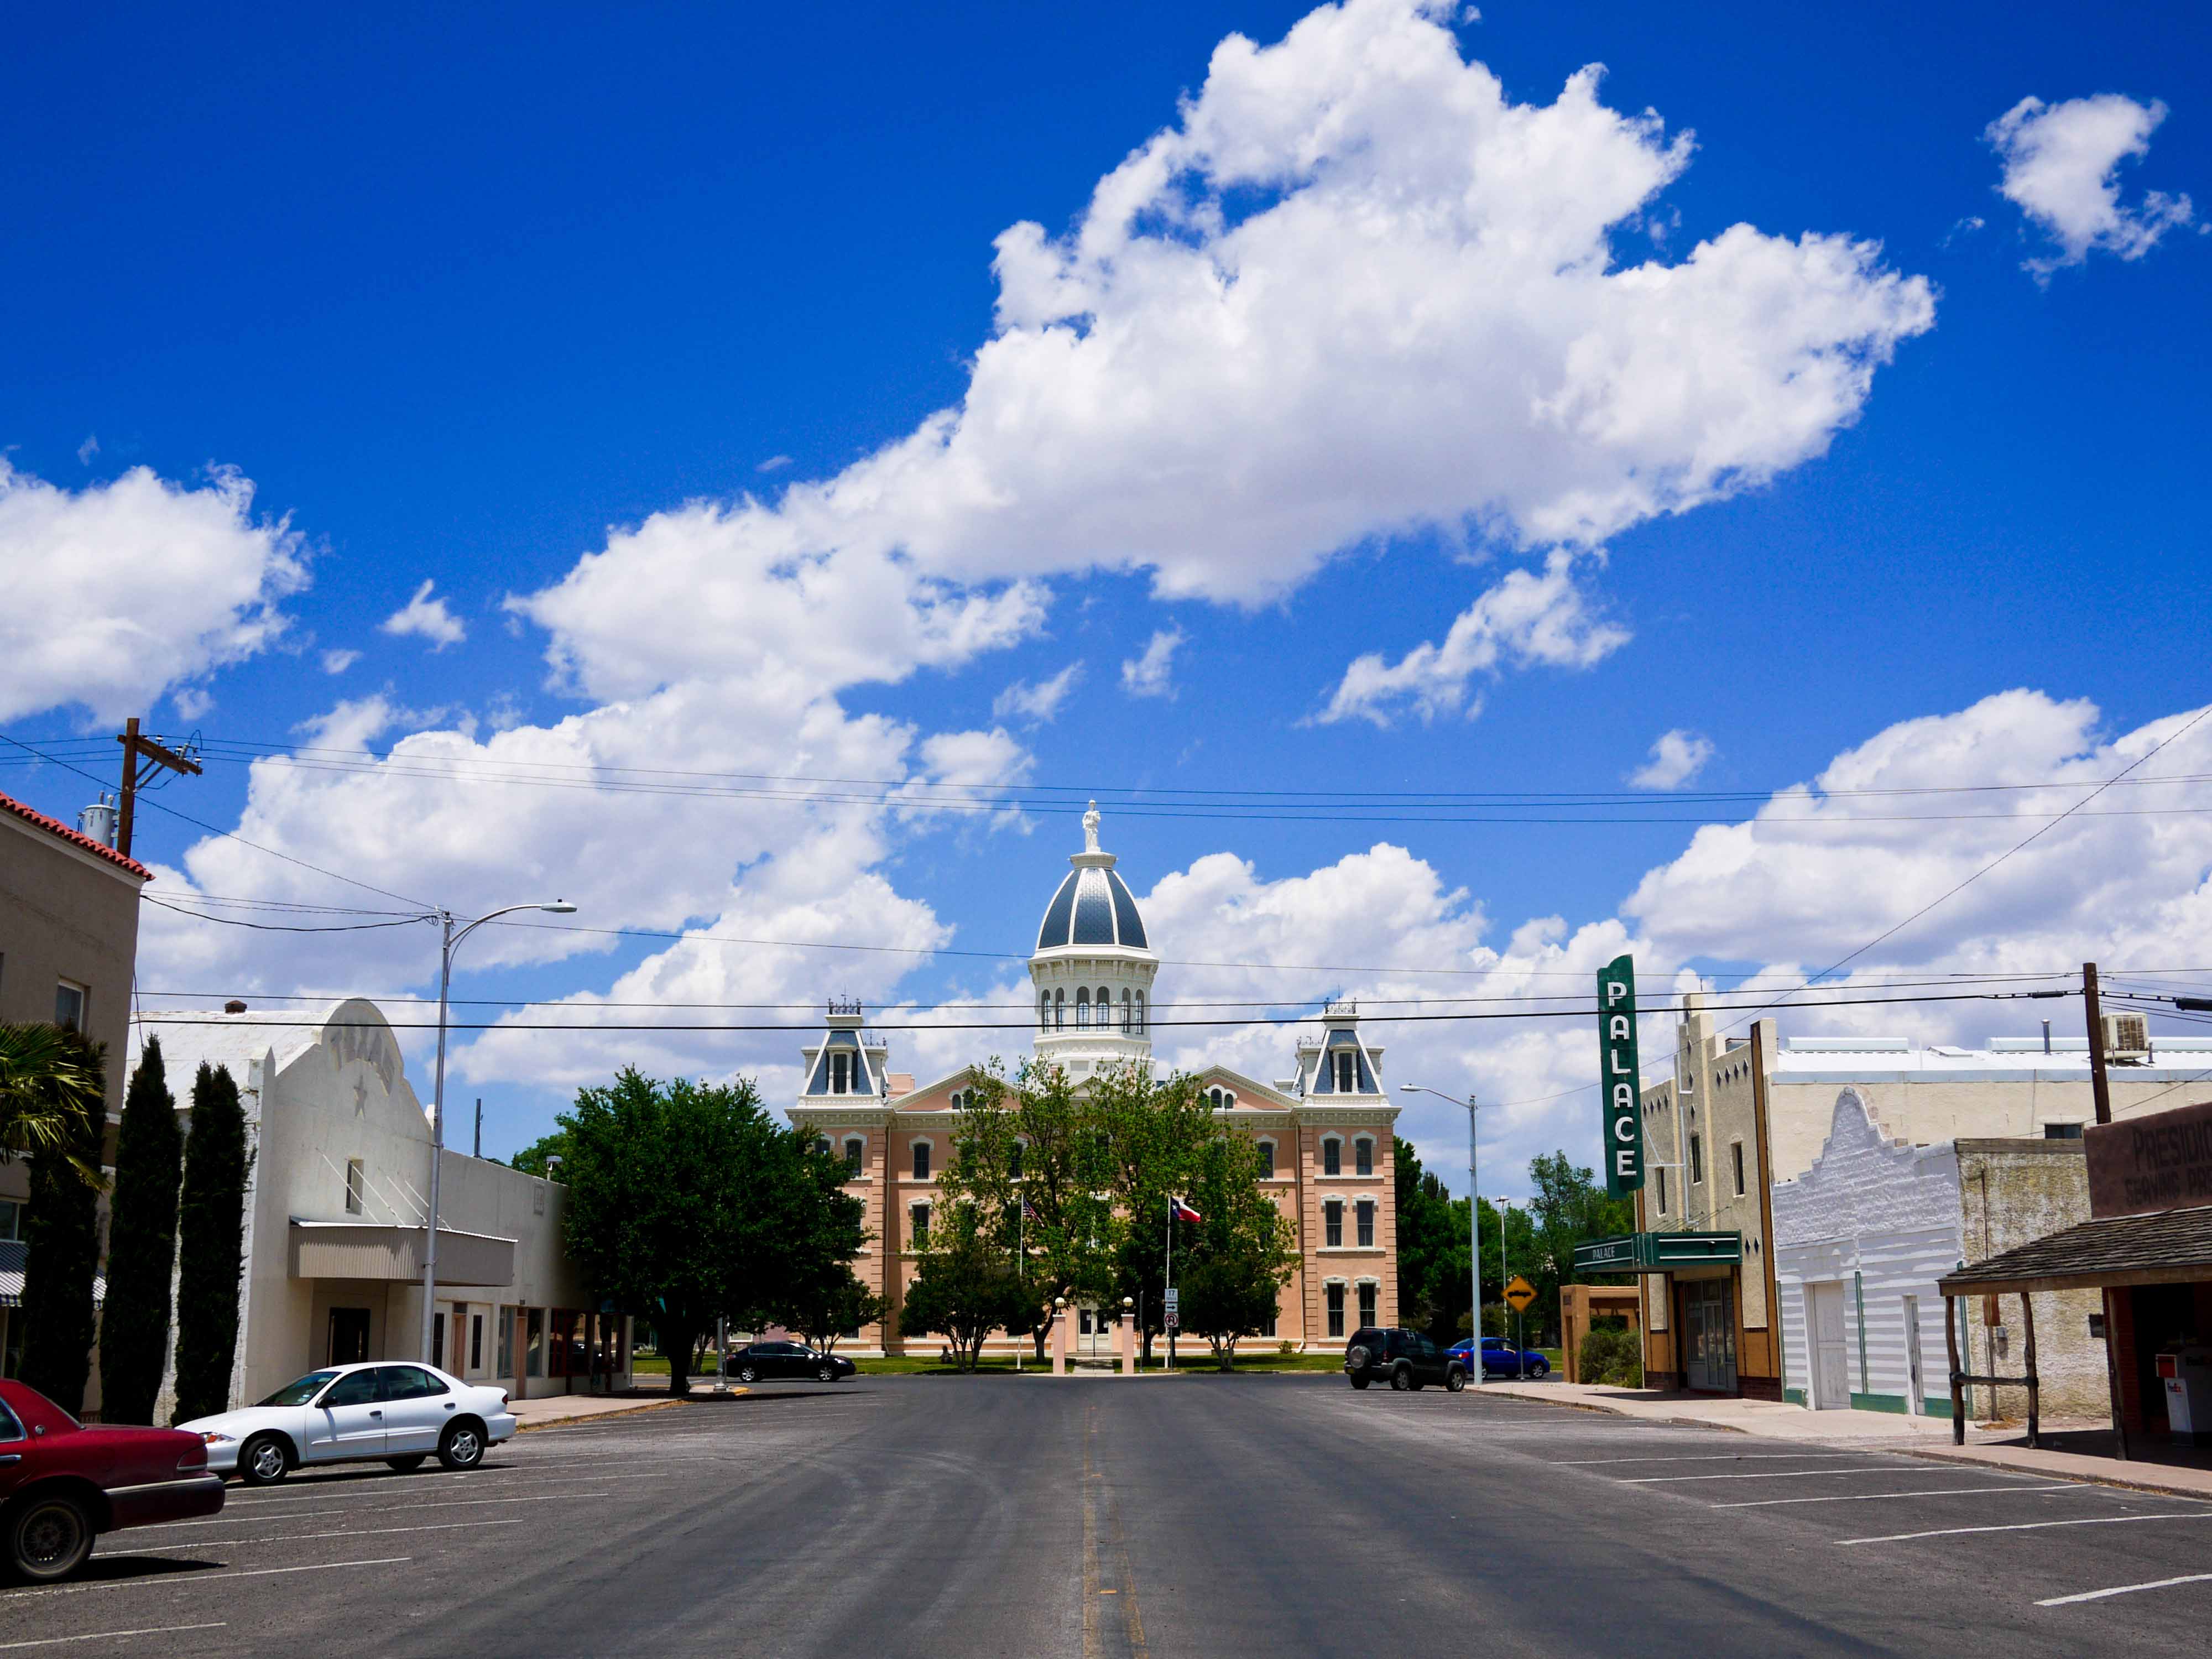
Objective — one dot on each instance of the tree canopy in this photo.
(63, 1093)
(142, 1245)
(211, 1245)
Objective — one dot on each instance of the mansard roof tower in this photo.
(1093, 971)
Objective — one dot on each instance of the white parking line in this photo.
(1770, 1474)
(108, 1635)
(186, 1579)
(1868, 1497)
(1710, 1457)
(2126, 1590)
(387, 1508)
(355, 1532)
(2027, 1526)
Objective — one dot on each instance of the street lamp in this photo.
(450, 937)
(1474, 1225)
(1520, 1373)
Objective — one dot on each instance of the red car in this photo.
(63, 1484)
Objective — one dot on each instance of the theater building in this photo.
(1326, 1128)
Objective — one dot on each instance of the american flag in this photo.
(1029, 1213)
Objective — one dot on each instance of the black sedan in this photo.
(758, 1360)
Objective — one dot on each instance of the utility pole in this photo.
(2101, 1089)
(478, 1151)
(158, 758)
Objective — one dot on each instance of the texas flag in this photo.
(1179, 1210)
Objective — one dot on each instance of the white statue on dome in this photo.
(1090, 828)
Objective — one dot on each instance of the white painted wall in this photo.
(1882, 1219)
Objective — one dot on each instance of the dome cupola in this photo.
(1093, 968)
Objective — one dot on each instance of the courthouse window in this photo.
(1332, 1158)
(1336, 1311)
(918, 1226)
(1365, 1213)
(855, 1149)
(1367, 1302)
(1267, 1158)
(921, 1160)
(1364, 1157)
(1332, 1214)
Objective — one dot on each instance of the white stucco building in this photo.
(335, 1216)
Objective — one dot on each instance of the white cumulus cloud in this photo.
(1039, 703)
(2061, 169)
(1676, 759)
(119, 591)
(337, 662)
(1525, 619)
(1150, 673)
(426, 617)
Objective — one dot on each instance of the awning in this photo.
(2171, 1246)
(367, 1250)
(14, 1253)
(1658, 1252)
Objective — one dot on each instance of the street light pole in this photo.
(449, 938)
(1474, 1225)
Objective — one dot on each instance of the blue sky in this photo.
(458, 296)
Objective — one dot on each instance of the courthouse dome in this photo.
(1093, 906)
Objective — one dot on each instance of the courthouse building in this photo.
(1325, 1129)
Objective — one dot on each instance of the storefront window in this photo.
(503, 1341)
(533, 1344)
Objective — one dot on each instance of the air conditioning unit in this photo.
(2127, 1037)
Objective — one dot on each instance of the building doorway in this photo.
(1709, 1336)
(1832, 1364)
(348, 1336)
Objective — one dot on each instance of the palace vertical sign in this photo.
(1619, 1077)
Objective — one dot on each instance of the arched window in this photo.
(1267, 1158)
(918, 1226)
(855, 1149)
(1140, 1010)
(1332, 1223)
(1364, 1214)
(1362, 1155)
(921, 1160)
(1367, 1289)
(1044, 1011)
(1060, 1009)
(1082, 1007)
(1213, 1098)
(1332, 1156)
(1125, 1009)
(1105, 1008)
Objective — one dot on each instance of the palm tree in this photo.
(50, 1085)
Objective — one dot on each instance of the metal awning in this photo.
(1658, 1252)
(2167, 1247)
(14, 1253)
(368, 1249)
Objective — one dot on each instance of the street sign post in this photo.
(1620, 1077)
(1174, 1309)
(1519, 1294)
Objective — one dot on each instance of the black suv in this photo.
(1406, 1358)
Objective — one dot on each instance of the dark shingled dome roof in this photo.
(1092, 907)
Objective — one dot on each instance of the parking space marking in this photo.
(186, 1579)
(109, 1635)
(2028, 1526)
(1868, 1497)
(1770, 1474)
(355, 1532)
(1710, 1457)
(2125, 1589)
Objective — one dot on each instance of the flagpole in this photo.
(1021, 1262)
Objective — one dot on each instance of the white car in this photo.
(388, 1411)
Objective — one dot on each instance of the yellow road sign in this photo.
(1519, 1294)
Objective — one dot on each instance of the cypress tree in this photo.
(211, 1229)
(62, 1232)
(142, 1245)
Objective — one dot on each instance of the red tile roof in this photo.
(55, 826)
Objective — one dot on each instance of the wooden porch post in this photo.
(2112, 1374)
(2034, 1383)
(1958, 1389)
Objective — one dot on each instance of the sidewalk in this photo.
(1921, 1437)
(563, 1408)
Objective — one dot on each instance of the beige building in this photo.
(1326, 1128)
(69, 934)
(335, 1217)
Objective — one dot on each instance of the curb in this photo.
(581, 1418)
(2128, 1483)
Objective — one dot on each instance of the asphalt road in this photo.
(1198, 1516)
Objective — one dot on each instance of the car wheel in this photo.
(463, 1446)
(48, 1539)
(409, 1464)
(1456, 1379)
(263, 1460)
(747, 1373)
(825, 1373)
(1361, 1382)
(1401, 1378)
(1543, 1369)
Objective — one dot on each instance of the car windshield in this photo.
(299, 1392)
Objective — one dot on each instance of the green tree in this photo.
(51, 1083)
(966, 1286)
(142, 1245)
(828, 1302)
(672, 1208)
(813, 1229)
(63, 1229)
(1156, 1134)
(532, 1159)
(1240, 1253)
(1434, 1293)
(210, 1251)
